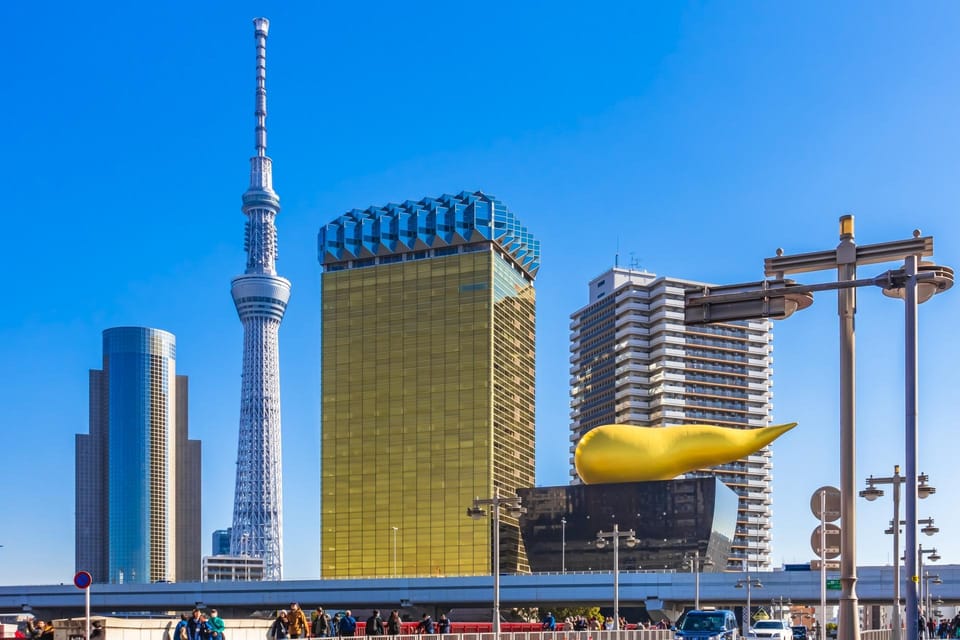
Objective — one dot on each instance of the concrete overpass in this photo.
(674, 590)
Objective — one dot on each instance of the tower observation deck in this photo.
(260, 296)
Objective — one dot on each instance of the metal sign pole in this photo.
(82, 580)
(823, 565)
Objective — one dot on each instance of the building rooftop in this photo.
(447, 220)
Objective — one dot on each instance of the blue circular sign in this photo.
(82, 580)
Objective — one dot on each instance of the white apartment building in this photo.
(633, 361)
(226, 568)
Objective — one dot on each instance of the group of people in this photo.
(591, 623)
(293, 623)
(38, 630)
(199, 626)
(427, 625)
(944, 628)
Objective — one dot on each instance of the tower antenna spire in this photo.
(261, 297)
(261, 29)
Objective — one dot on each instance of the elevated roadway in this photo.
(673, 590)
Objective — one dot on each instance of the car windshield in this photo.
(702, 622)
(768, 624)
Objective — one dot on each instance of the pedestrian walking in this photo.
(280, 626)
(297, 622)
(216, 624)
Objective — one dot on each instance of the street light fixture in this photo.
(513, 508)
(779, 298)
(871, 493)
(629, 539)
(749, 583)
(929, 529)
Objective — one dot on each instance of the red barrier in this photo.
(475, 627)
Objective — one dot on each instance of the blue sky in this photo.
(696, 137)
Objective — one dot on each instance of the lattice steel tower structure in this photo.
(261, 298)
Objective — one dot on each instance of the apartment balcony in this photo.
(755, 510)
(763, 523)
(632, 416)
(633, 364)
(631, 406)
(626, 304)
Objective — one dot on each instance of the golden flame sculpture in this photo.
(625, 453)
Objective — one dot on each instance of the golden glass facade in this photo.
(427, 403)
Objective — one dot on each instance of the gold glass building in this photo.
(428, 313)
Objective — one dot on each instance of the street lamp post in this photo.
(934, 556)
(749, 583)
(395, 529)
(914, 291)
(630, 539)
(928, 579)
(696, 567)
(563, 545)
(871, 493)
(512, 504)
(780, 298)
(779, 609)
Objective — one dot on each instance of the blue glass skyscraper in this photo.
(138, 476)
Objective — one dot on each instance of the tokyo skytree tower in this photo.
(260, 296)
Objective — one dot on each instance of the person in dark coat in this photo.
(393, 623)
(279, 630)
(195, 626)
(425, 625)
(375, 624)
(443, 624)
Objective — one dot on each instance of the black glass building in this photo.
(672, 519)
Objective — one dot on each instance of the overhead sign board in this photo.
(834, 585)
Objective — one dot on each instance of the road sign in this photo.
(82, 580)
(832, 512)
(832, 538)
(834, 585)
(832, 565)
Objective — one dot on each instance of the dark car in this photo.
(718, 624)
(799, 632)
